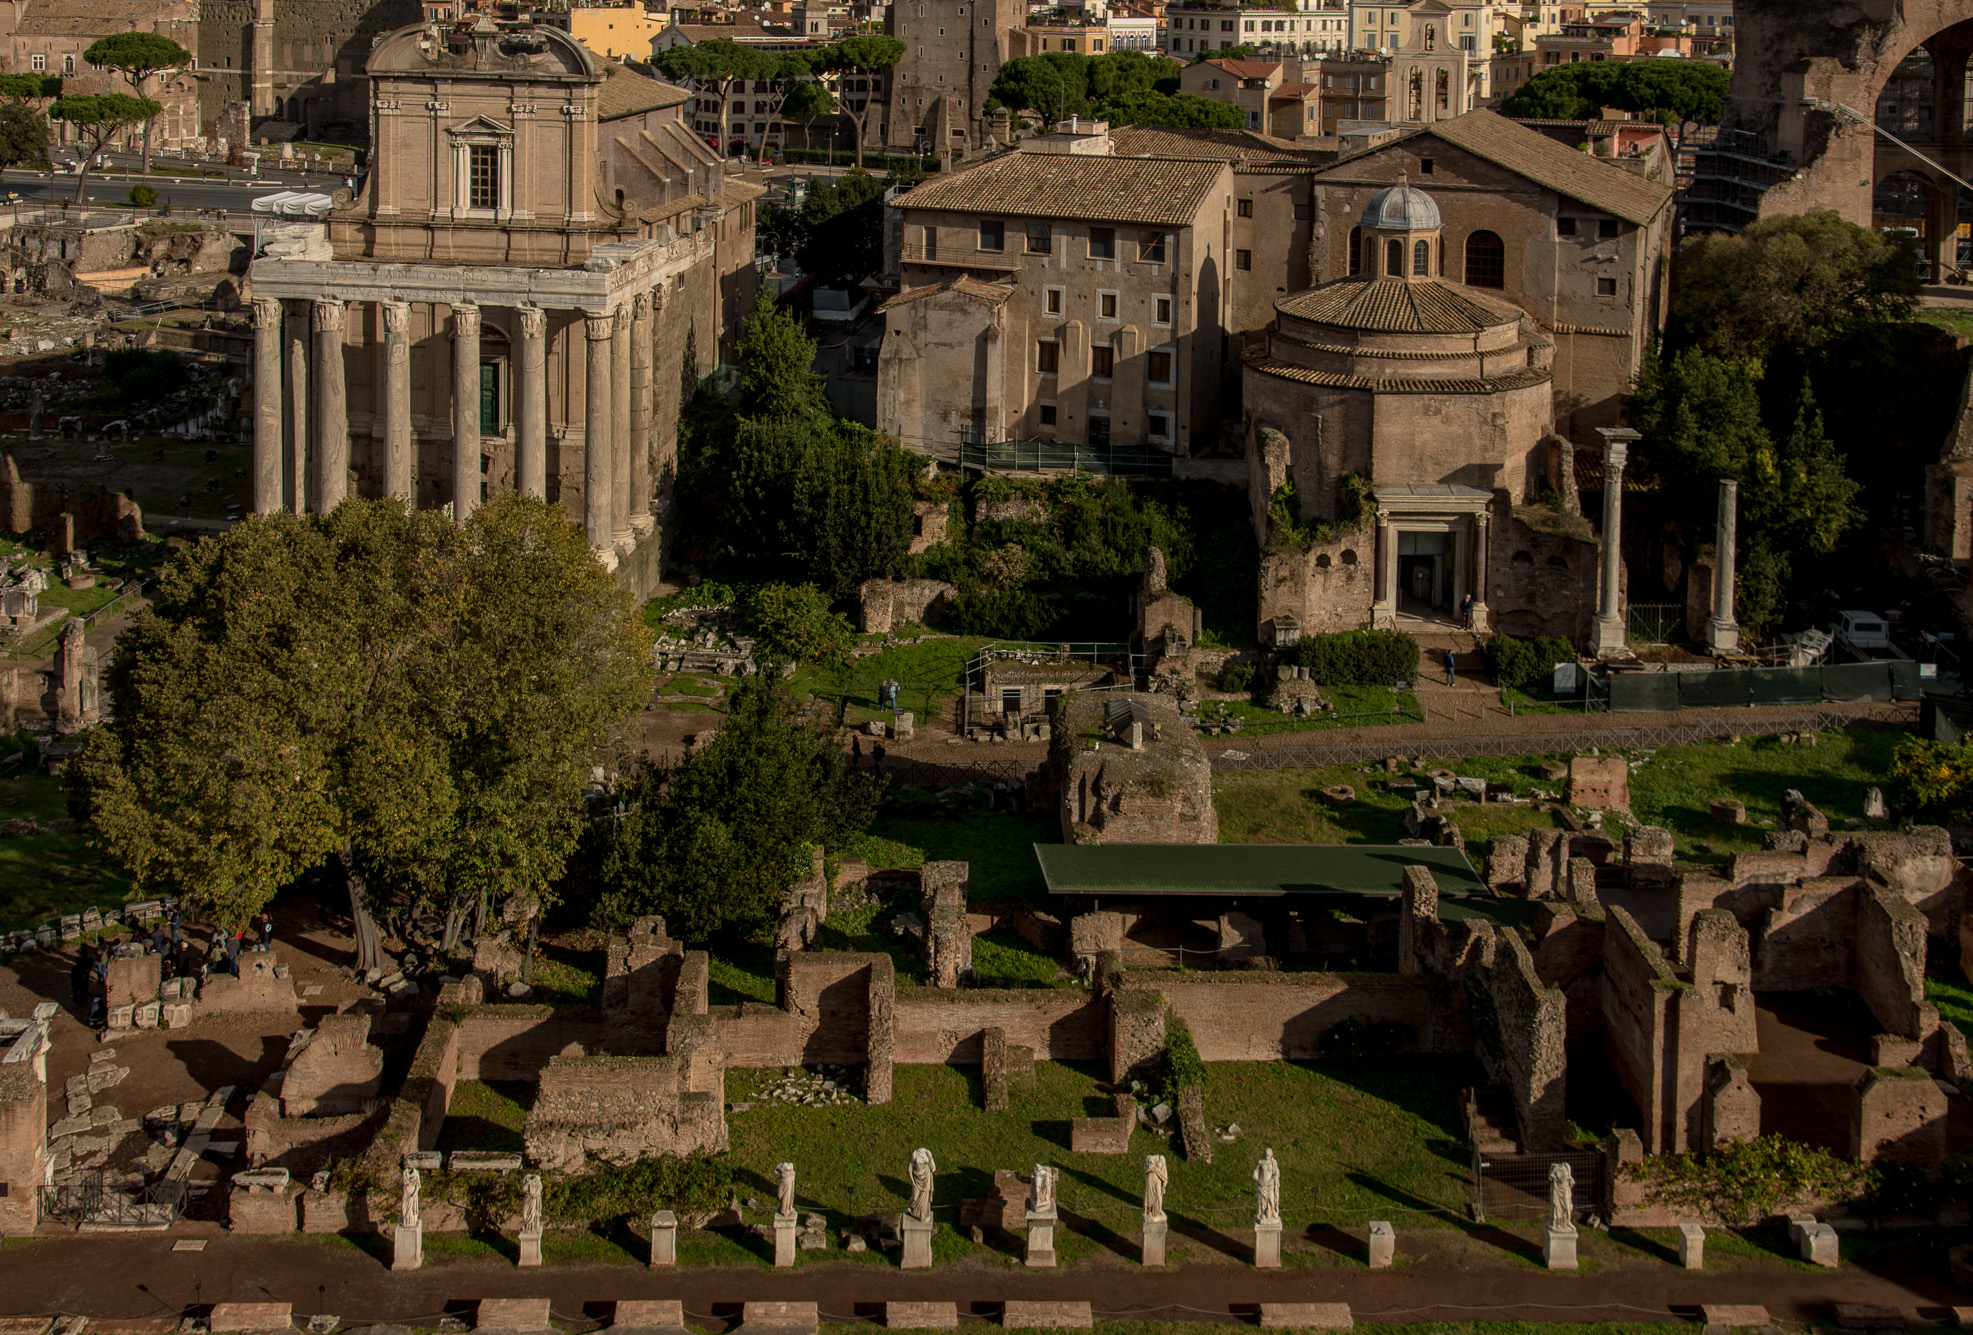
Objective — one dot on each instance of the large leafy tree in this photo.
(38, 89)
(99, 118)
(138, 57)
(861, 57)
(714, 843)
(1668, 91)
(1054, 83)
(842, 229)
(718, 64)
(1800, 281)
(807, 101)
(1181, 110)
(23, 135)
(411, 704)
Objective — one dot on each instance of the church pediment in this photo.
(480, 125)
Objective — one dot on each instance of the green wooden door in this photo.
(489, 398)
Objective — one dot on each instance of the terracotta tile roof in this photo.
(965, 285)
(1247, 69)
(627, 94)
(1162, 191)
(1519, 379)
(1393, 305)
(1157, 141)
(1291, 90)
(1532, 154)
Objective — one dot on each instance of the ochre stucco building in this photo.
(542, 255)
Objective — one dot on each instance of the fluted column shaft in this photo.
(601, 330)
(397, 400)
(1608, 635)
(643, 317)
(295, 477)
(465, 410)
(329, 421)
(1723, 629)
(620, 533)
(267, 434)
(531, 394)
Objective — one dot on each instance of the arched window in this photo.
(1394, 258)
(1421, 260)
(1445, 90)
(1431, 37)
(1356, 250)
(1486, 261)
(1417, 93)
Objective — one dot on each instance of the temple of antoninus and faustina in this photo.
(542, 258)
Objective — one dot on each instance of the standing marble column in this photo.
(465, 410)
(328, 423)
(1607, 636)
(267, 435)
(531, 399)
(296, 479)
(1723, 630)
(397, 400)
(642, 319)
(596, 437)
(620, 535)
(1482, 543)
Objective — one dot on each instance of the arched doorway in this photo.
(1901, 208)
(1906, 106)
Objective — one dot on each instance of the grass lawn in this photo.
(1672, 788)
(685, 684)
(1355, 1143)
(1949, 318)
(1003, 959)
(929, 672)
(1000, 848)
(487, 1116)
(741, 971)
(43, 876)
(1356, 706)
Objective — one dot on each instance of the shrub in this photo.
(1516, 664)
(1183, 1067)
(1236, 677)
(1008, 614)
(1931, 781)
(1749, 1180)
(795, 624)
(700, 1185)
(1360, 657)
(143, 196)
(143, 376)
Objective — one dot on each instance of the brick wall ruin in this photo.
(23, 1143)
(619, 1109)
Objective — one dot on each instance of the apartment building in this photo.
(1310, 29)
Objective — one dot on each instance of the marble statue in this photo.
(531, 1203)
(922, 1168)
(408, 1206)
(1267, 1190)
(1156, 1175)
(784, 1183)
(1561, 1197)
(1044, 1190)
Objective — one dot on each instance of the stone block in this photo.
(1799, 1224)
(664, 1240)
(649, 1314)
(1558, 1250)
(1040, 1253)
(1891, 1050)
(921, 1316)
(917, 1236)
(133, 979)
(1383, 1244)
(252, 1210)
(1820, 1247)
(1019, 1315)
(1267, 1246)
(786, 1317)
(1155, 1231)
(1306, 1316)
(1599, 782)
(1691, 1247)
(512, 1314)
(250, 1317)
(408, 1249)
(530, 1250)
(784, 1241)
(1733, 1316)
(1870, 1316)
(1729, 811)
(1100, 1135)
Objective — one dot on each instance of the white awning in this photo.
(294, 204)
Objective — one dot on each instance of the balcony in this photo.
(962, 257)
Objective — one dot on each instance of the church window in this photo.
(1356, 250)
(1421, 260)
(1445, 91)
(483, 176)
(1417, 94)
(1486, 261)
(1394, 259)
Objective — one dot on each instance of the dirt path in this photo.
(1443, 1275)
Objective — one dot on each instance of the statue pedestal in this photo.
(1267, 1245)
(917, 1234)
(1041, 1239)
(1558, 1250)
(664, 1240)
(410, 1251)
(1154, 1241)
(784, 1241)
(531, 1249)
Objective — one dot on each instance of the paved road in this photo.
(187, 193)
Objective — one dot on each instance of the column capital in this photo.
(621, 319)
(601, 328)
(325, 314)
(640, 306)
(465, 319)
(267, 312)
(534, 321)
(397, 316)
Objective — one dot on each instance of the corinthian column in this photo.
(267, 434)
(531, 395)
(620, 535)
(601, 329)
(642, 319)
(465, 410)
(1607, 636)
(1723, 630)
(397, 400)
(329, 422)
(296, 479)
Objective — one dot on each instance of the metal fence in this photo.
(1065, 456)
(1655, 623)
(938, 774)
(1371, 745)
(94, 1201)
(1516, 1186)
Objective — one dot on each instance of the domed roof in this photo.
(1401, 208)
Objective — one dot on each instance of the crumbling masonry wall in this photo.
(1890, 963)
(23, 1144)
(1525, 1043)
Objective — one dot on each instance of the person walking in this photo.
(176, 924)
(877, 757)
(1466, 612)
(264, 928)
(1451, 669)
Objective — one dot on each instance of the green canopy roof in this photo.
(1248, 869)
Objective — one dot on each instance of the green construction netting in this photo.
(1638, 692)
(1904, 681)
(1856, 681)
(1787, 686)
(1715, 690)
